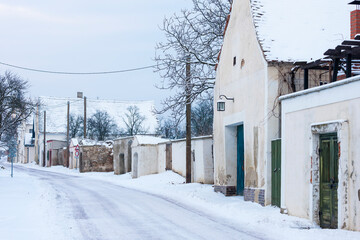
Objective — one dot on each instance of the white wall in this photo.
(254, 86)
(162, 157)
(147, 160)
(179, 157)
(202, 159)
(332, 107)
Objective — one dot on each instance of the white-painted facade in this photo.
(332, 108)
(25, 144)
(254, 85)
(162, 157)
(145, 155)
(202, 161)
(255, 65)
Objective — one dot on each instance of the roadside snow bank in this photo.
(234, 210)
(27, 208)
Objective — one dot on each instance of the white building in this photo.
(263, 39)
(145, 155)
(320, 154)
(25, 143)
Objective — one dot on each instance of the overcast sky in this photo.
(85, 36)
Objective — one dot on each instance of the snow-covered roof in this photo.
(90, 142)
(293, 30)
(193, 138)
(149, 140)
(56, 111)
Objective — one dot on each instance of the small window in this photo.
(234, 61)
(30, 130)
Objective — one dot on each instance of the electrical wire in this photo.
(77, 73)
(63, 104)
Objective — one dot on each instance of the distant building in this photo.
(56, 116)
(25, 142)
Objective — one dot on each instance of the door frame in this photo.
(341, 128)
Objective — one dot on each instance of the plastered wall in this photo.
(326, 109)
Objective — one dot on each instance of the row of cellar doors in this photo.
(329, 162)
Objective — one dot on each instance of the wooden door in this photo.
(168, 157)
(329, 165)
(240, 160)
(276, 172)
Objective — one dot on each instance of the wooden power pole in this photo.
(67, 134)
(44, 152)
(37, 135)
(188, 122)
(84, 117)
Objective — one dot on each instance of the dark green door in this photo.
(240, 160)
(329, 165)
(276, 172)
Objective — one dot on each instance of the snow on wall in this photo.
(56, 109)
(292, 30)
(150, 140)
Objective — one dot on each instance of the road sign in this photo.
(77, 151)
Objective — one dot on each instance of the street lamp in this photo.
(221, 103)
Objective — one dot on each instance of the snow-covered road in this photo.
(95, 209)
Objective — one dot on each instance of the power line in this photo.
(77, 73)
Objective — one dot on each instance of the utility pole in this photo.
(44, 152)
(84, 117)
(67, 134)
(36, 130)
(188, 122)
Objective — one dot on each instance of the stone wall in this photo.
(96, 159)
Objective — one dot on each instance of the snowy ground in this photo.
(31, 203)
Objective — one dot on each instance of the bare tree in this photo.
(170, 128)
(101, 125)
(134, 121)
(202, 118)
(76, 125)
(194, 35)
(14, 106)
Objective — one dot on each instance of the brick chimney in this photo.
(355, 23)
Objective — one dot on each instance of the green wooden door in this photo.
(240, 160)
(276, 172)
(329, 165)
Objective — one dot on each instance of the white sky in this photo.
(85, 36)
